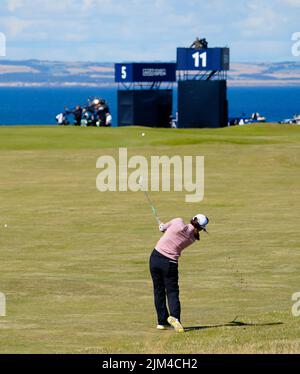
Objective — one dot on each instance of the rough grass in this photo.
(74, 262)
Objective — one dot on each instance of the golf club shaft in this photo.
(154, 211)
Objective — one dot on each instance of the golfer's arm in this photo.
(167, 225)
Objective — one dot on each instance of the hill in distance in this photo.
(33, 73)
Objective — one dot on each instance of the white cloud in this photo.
(261, 20)
(145, 29)
(87, 4)
(15, 26)
(13, 5)
(294, 3)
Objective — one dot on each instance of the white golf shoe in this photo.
(163, 327)
(176, 324)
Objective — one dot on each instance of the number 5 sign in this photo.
(145, 72)
(123, 73)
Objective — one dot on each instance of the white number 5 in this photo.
(124, 72)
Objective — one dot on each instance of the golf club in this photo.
(154, 210)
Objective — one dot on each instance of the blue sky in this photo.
(136, 30)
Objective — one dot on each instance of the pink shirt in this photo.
(177, 237)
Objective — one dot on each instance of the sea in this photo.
(39, 106)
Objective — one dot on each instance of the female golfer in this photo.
(164, 267)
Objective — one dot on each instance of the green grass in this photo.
(74, 261)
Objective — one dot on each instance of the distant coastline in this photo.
(56, 84)
(35, 73)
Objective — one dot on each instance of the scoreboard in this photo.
(203, 59)
(188, 59)
(145, 72)
(201, 102)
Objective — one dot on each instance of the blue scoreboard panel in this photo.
(145, 72)
(203, 59)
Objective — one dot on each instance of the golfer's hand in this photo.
(162, 227)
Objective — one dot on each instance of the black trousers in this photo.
(164, 274)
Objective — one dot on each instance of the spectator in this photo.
(62, 119)
(102, 112)
(77, 113)
(199, 43)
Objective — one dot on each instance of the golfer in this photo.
(164, 267)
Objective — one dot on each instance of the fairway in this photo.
(74, 261)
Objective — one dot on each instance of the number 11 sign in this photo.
(200, 59)
(203, 59)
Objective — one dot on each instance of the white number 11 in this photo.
(200, 56)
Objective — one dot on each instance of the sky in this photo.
(147, 30)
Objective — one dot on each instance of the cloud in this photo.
(261, 20)
(293, 3)
(15, 26)
(112, 30)
(87, 4)
(13, 5)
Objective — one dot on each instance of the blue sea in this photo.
(39, 106)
